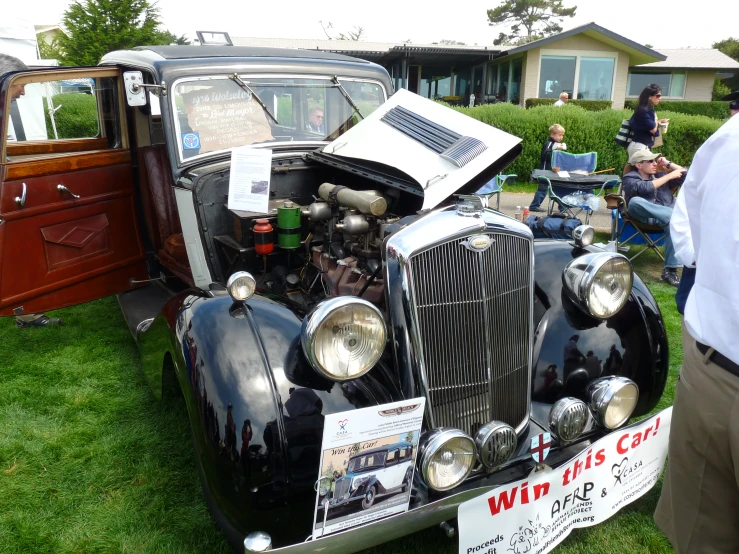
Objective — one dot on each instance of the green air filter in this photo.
(288, 226)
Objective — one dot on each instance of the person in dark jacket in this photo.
(644, 122)
(648, 190)
(554, 142)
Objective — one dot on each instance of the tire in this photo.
(369, 497)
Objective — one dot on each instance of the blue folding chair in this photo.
(585, 163)
(495, 186)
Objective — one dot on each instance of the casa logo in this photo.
(624, 469)
(342, 427)
(478, 243)
(190, 141)
(400, 410)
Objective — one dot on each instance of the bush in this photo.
(76, 118)
(587, 132)
(715, 110)
(590, 105)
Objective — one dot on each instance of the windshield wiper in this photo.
(236, 79)
(346, 95)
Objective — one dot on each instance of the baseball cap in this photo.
(642, 156)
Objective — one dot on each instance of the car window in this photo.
(215, 114)
(80, 109)
(403, 453)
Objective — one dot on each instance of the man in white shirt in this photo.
(563, 98)
(699, 506)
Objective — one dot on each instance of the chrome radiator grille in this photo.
(473, 310)
(341, 487)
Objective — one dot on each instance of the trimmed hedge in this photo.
(588, 131)
(715, 110)
(76, 118)
(590, 105)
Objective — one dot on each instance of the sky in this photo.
(674, 24)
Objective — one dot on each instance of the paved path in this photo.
(601, 219)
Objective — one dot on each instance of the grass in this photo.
(90, 462)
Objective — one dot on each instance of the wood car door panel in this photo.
(74, 237)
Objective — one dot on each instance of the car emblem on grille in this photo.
(478, 243)
(540, 446)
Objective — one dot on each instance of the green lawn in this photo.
(90, 462)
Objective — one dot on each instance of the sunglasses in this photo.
(658, 95)
(649, 162)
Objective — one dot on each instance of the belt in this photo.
(719, 359)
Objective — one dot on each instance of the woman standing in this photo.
(644, 123)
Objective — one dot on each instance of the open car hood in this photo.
(438, 148)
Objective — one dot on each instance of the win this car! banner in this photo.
(533, 515)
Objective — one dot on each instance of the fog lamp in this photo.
(447, 457)
(600, 283)
(343, 337)
(241, 286)
(583, 235)
(612, 400)
(567, 418)
(496, 443)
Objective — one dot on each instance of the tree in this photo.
(49, 51)
(537, 18)
(96, 27)
(355, 34)
(729, 46)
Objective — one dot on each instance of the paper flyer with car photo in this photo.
(367, 462)
(534, 515)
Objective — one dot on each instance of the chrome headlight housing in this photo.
(612, 400)
(583, 235)
(358, 482)
(447, 457)
(343, 338)
(599, 283)
(496, 443)
(567, 418)
(241, 286)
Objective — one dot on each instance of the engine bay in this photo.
(321, 237)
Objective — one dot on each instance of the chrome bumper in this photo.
(422, 517)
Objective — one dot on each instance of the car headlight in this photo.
(343, 337)
(567, 418)
(583, 235)
(612, 400)
(358, 482)
(241, 286)
(447, 457)
(600, 283)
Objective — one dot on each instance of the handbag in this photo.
(623, 137)
(658, 141)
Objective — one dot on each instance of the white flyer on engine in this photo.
(248, 185)
(535, 514)
(368, 458)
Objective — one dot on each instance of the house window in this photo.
(672, 83)
(492, 75)
(516, 70)
(596, 78)
(557, 75)
(502, 89)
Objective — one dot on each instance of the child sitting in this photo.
(554, 142)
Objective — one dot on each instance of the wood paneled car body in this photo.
(371, 277)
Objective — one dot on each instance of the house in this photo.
(588, 62)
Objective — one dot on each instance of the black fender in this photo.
(572, 348)
(256, 407)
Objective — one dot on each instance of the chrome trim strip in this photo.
(191, 233)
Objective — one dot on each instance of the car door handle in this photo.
(62, 188)
(21, 200)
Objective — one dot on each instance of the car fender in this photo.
(572, 348)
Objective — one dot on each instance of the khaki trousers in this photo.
(699, 507)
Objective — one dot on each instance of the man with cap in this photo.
(10, 64)
(648, 191)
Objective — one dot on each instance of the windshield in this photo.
(218, 113)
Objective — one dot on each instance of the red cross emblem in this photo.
(540, 446)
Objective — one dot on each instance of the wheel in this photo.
(369, 498)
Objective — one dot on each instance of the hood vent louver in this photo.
(451, 146)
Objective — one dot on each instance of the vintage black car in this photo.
(374, 275)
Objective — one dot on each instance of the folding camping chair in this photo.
(576, 163)
(494, 187)
(617, 204)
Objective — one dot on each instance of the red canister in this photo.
(263, 237)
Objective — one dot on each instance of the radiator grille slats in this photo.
(473, 311)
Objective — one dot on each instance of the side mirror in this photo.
(135, 92)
